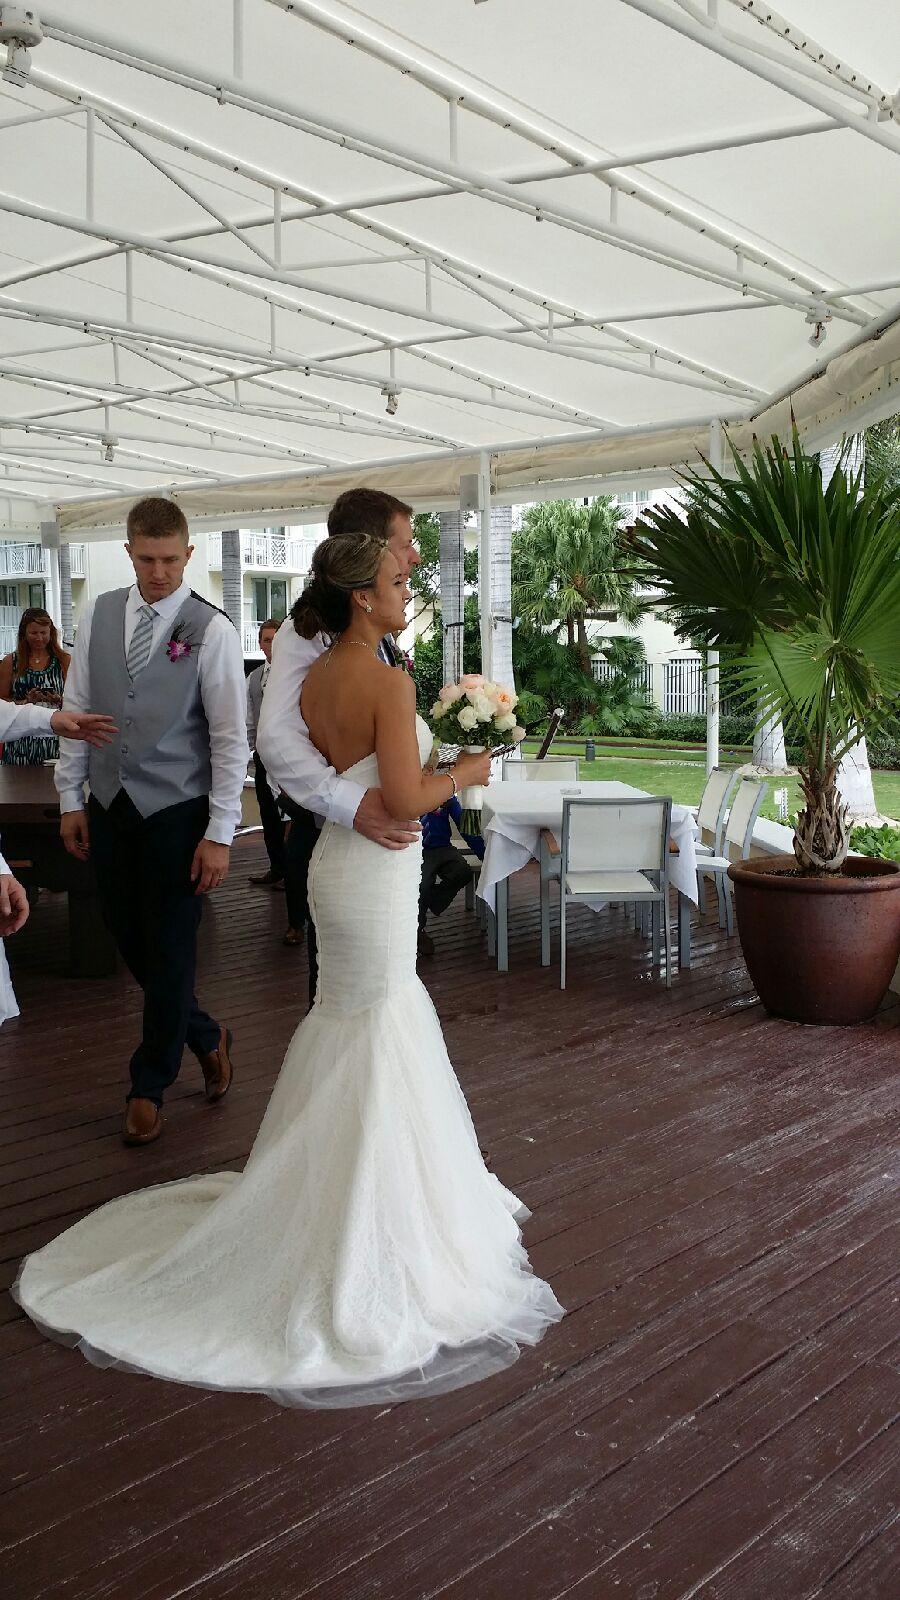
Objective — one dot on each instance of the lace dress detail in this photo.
(365, 1254)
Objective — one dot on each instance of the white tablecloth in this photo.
(513, 815)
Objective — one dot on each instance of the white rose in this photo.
(505, 722)
(482, 708)
(467, 718)
(438, 709)
(518, 734)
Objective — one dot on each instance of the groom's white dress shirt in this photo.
(17, 721)
(289, 756)
(220, 675)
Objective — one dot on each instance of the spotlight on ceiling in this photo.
(818, 319)
(20, 31)
(109, 448)
(392, 396)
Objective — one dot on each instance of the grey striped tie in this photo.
(141, 640)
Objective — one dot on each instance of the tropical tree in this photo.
(570, 568)
(798, 583)
(425, 580)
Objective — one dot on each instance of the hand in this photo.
(210, 865)
(13, 905)
(374, 821)
(87, 725)
(471, 769)
(73, 830)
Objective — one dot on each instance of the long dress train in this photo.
(365, 1254)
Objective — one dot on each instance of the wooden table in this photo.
(29, 834)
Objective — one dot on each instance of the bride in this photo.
(365, 1254)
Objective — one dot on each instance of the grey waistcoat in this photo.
(161, 754)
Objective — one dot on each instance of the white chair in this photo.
(553, 769)
(713, 809)
(618, 851)
(745, 808)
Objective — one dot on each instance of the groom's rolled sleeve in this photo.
(291, 760)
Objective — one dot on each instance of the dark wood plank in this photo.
(712, 1199)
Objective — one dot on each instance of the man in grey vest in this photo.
(165, 795)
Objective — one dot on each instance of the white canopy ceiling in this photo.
(251, 248)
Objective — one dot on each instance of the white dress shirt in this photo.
(220, 676)
(15, 723)
(289, 756)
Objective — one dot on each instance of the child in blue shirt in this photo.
(445, 870)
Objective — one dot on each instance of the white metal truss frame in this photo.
(416, 246)
(457, 177)
(557, 331)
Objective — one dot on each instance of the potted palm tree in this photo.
(798, 585)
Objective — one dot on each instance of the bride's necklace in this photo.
(361, 642)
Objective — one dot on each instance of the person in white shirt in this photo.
(22, 722)
(314, 790)
(269, 813)
(165, 797)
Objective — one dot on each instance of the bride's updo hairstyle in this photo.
(341, 564)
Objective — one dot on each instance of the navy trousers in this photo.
(143, 871)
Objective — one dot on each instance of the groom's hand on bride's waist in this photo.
(374, 821)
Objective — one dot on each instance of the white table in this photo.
(513, 815)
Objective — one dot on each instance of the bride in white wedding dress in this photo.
(365, 1254)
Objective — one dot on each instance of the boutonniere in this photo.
(178, 645)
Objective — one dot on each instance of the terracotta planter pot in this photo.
(819, 949)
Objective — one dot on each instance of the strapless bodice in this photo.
(366, 770)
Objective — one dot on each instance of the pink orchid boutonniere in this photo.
(178, 646)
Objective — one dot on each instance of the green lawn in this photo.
(683, 777)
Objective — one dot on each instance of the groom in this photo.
(292, 761)
(165, 796)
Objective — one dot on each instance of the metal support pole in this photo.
(276, 226)
(237, 38)
(454, 131)
(50, 543)
(129, 286)
(89, 154)
(712, 656)
(485, 608)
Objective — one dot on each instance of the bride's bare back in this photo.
(338, 702)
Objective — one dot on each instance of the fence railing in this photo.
(684, 686)
(23, 560)
(641, 677)
(265, 552)
(78, 560)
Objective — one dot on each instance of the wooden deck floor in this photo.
(714, 1202)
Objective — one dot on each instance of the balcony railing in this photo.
(9, 628)
(265, 552)
(23, 560)
(78, 560)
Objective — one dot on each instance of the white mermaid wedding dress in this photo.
(365, 1254)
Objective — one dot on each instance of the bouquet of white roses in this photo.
(476, 713)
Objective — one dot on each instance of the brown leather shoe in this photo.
(217, 1068)
(143, 1122)
(294, 936)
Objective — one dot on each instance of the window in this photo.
(9, 594)
(36, 594)
(269, 599)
